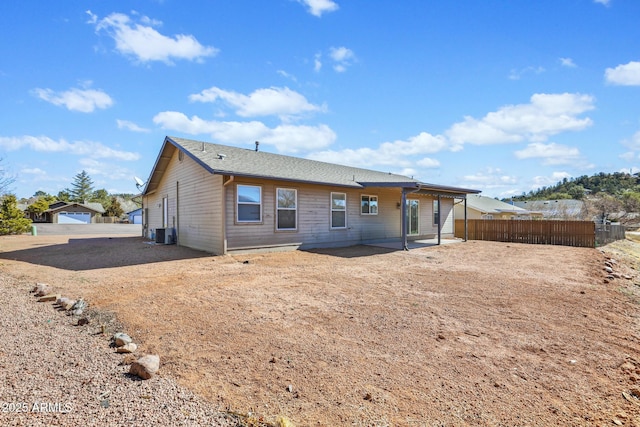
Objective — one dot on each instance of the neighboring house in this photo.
(69, 213)
(482, 207)
(219, 199)
(135, 216)
(564, 209)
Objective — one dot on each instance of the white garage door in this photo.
(74, 218)
(137, 219)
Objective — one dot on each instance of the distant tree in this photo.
(603, 206)
(82, 188)
(114, 208)
(101, 196)
(38, 207)
(44, 195)
(64, 196)
(6, 180)
(12, 220)
(631, 201)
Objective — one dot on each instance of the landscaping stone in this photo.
(41, 289)
(120, 339)
(78, 307)
(127, 348)
(146, 366)
(49, 297)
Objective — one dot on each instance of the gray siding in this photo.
(313, 217)
(194, 205)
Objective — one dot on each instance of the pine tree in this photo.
(82, 188)
(12, 220)
(114, 209)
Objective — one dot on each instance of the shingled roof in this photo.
(228, 160)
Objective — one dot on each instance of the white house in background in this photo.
(221, 199)
(482, 207)
(135, 216)
(565, 209)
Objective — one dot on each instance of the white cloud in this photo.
(567, 62)
(33, 171)
(544, 181)
(287, 75)
(628, 156)
(490, 176)
(552, 154)
(142, 42)
(624, 75)
(93, 18)
(83, 100)
(45, 144)
(342, 58)
(125, 124)
(110, 171)
(286, 138)
(317, 63)
(400, 153)
(282, 102)
(517, 74)
(545, 115)
(603, 2)
(429, 163)
(633, 143)
(318, 7)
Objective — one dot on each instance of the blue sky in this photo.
(500, 96)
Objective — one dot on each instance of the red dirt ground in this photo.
(476, 333)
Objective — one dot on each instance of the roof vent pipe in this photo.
(203, 150)
(257, 144)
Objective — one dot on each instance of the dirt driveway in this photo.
(475, 333)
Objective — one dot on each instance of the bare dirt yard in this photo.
(475, 333)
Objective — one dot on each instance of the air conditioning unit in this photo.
(164, 236)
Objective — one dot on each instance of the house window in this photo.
(487, 216)
(436, 216)
(249, 201)
(338, 210)
(369, 205)
(287, 208)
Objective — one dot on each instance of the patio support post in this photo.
(403, 214)
(439, 221)
(466, 234)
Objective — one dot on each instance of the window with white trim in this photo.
(249, 203)
(436, 214)
(338, 210)
(286, 208)
(368, 205)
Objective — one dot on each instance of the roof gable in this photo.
(228, 160)
(492, 206)
(93, 206)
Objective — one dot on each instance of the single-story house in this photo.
(564, 209)
(70, 213)
(221, 199)
(482, 207)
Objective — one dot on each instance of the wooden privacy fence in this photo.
(545, 232)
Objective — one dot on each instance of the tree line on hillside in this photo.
(607, 196)
(616, 184)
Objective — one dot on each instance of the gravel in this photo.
(56, 373)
